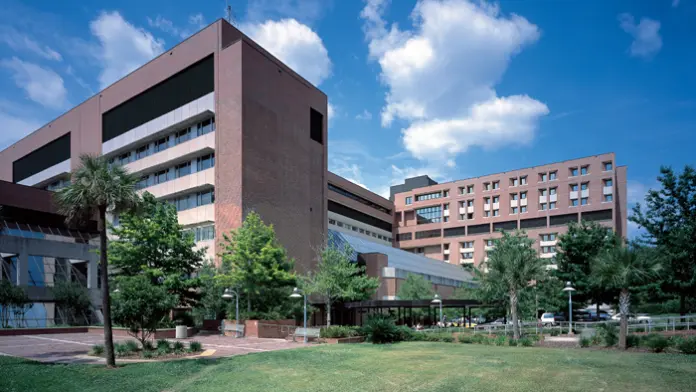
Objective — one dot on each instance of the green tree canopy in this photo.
(95, 188)
(513, 266)
(141, 306)
(415, 287)
(151, 242)
(336, 277)
(625, 268)
(254, 262)
(578, 248)
(668, 216)
(73, 298)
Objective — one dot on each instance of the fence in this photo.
(647, 325)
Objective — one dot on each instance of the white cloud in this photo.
(42, 85)
(331, 110)
(305, 11)
(22, 42)
(196, 22)
(646, 35)
(295, 44)
(365, 115)
(122, 47)
(635, 192)
(441, 74)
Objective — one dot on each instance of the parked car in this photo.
(603, 316)
(549, 319)
(640, 318)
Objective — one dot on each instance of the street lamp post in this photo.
(227, 295)
(437, 300)
(569, 288)
(297, 293)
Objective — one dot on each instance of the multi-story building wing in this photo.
(457, 221)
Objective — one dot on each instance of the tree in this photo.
(669, 219)
(257, 265)
(98, 187)
(13, 302)
(151, 242)
(415, 287)
(578, 248)
(512, 267)
(211, 303)
(140, 306)
(336, 277)
(73, 298)
(624, 268)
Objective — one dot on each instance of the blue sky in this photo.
(449, 88)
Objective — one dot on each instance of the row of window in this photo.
(58, 184)
(360, 230)
(358, 198)
(193, 200)
(204, 233)
(180, 170)
(514, 181)
(165, 142)
(429, 215)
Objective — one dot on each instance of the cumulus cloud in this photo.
(646, 35)
(196, 22)
(22, 42)
(305, 11)
(296, 45)
(17, 121)
(440, 76)
(42, 85)
(122, 47)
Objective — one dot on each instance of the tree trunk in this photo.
(513, 312)
(328, 313)
(106, 299)
(248, 304)
(598, 318)
(682, 304)
(624, 304)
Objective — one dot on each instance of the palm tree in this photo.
(95, 188)
(624, 267)
(512, 266)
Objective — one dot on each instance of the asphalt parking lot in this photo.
(74, 347)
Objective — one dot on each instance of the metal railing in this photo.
(25, 230)
(651, 324)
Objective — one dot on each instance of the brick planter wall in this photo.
(169, 333)
(270, 329)
(41, 331)
(352, 339)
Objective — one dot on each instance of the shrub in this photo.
(98, 349)
(525, 342)
(178, 347)
(380, 329)
(466, 339)
(149, 346)
(477, 339)
(656, 343)
(132, 345)
(447, 338)
(555, 332)
(195, 346)
(338, 331)
(500, 340)
(162, 351)
(147, 354)
(534, 338)
(596, 339)
(688, 345)
(585, 342)
(418, 337)
(405, 333)
(185, 318)
(487, 340)
(121, 349)
(632, 341)
(512, 342)
(608, 333)
(163, 344)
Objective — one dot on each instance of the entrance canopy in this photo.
(415, 303)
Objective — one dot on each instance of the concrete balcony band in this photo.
(197, 181)
(197, 215)
(182, 152)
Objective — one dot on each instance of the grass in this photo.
(416, 366)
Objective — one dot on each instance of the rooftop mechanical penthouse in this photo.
(216, 125)
(457, 221)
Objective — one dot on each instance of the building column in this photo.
(92, 266)
(22, 268)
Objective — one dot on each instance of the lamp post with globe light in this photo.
(297, 293)
(437, 300)
(569, 288)
(227, 295)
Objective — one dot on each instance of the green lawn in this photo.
(400, 367)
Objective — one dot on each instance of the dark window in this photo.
(359, 216)
(479, 229)
(563, 219)
(182, 136)
(358, 198)
(316, 126)
(161, 176)
(183, 169)
(429, 215)
(142, 152)
(508, 225)
(161, 144)
(182, 88)
(205, 162)
(455, 231)
(206, 126)
(601, 215)
(428, 234)
(533, 223)
(41, 159)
